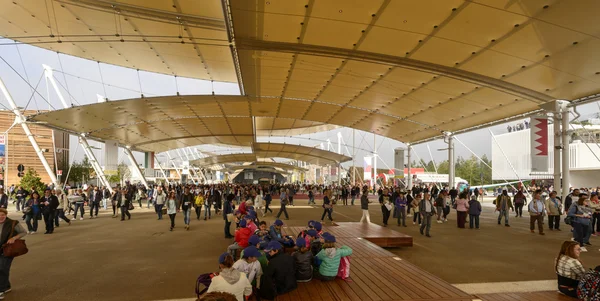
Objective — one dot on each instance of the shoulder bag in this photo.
(15, 249)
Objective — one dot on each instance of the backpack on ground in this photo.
(344, 269)
(203, 283)
(589, 286)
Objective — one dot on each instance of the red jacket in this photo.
(242, 208)
(241, 236)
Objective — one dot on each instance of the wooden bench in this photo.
(375, 273)
(536, 296)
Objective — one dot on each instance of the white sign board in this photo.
(185, 168)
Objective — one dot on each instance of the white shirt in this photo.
(427, 206)
(250, 269)
(239, 289)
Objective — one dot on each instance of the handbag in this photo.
(15, 249)
(389, 206)
(26, 210)
(131, 207)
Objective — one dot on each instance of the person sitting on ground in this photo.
(241, 239)
(568, 268)
(303, 260)
(250, 221)
(315, 243)
(256, 242)
(311, 225)
(230, 280)
(319, 228)
(276, 235)
(280, 275)
(589, 285)
(263, 233)
(330, 257)
(249, 265)
(237, 217)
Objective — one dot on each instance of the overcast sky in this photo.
(84, 82)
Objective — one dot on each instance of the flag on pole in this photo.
(539, 143)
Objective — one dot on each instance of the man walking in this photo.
(95, 199)
(63, 202)
(228, 209)
(427, 210)
(48, 204)
(503, 203)
(536, 212)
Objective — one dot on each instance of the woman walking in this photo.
(462, 205)
(364, 206)
(11, 231)
(187, 200)
(327, 205)
(32, 212)
(171, 204)
(519, 200)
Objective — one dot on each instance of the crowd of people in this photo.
(258, 245)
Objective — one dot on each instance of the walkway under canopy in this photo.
(407, 70)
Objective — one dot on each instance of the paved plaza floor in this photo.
(139, 259)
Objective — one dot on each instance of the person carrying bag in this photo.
(12, 246)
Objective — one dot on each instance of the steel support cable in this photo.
(71, 165)
(32, 93)
(26, 74)
(25, 80)
(484, 163)
(102, 79)
(507, 160)
(71, 97)
(98, 82)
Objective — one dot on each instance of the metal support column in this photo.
(374, 161)
(97, 168)
(450, 141)
(353, 160)
(557, 149)
(136, 166)
(565, 151)
(409, 176)
(339, 165)
(22, 121)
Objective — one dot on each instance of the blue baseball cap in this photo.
(251, 251)
(311, 224)
(250, 215)
(318, 226)
(312, 233)
(300, 242)
(243, 223)
(328, 237)
(254, 240)
(222, 257)
(273, 245)
(278, 222)
(236, 212)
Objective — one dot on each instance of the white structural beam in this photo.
(48, 73)
(136, 166)
(174, 166)
(22, 121)
(162, 170)
(90, 154)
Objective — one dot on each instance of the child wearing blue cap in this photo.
(249, 265)
(241, 239)
(330, 257)
(230, 280)
(276, 234)
(303, 260)
(279, 277)
(255, 241)
(314, 242)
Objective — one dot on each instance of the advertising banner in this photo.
(368, 168)
(539, 143)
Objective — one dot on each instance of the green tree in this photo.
(32, 179)
(123, 172)
(81, 172)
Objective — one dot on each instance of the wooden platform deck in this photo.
(537, 296)
(375, 273)
(380, 236)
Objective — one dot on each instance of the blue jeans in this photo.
(580, 232)
(77, 208)
(207, 211)
(186, 217)
(159, 210)
(505, 214)
(34, 218)
(5, 263)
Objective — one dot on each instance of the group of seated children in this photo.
(266, 269)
